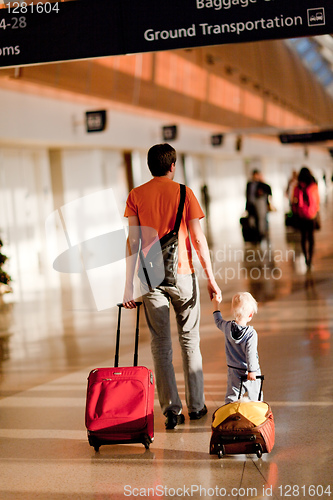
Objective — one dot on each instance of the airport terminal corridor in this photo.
(243, 91)
(44, 452)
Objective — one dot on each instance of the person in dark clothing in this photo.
(258, 195)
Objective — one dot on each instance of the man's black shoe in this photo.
(172, 419)
(196, 415)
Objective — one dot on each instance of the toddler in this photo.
(241, 342)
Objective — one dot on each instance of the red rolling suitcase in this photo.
(243, 427)
(120, 400)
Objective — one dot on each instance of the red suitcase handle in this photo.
(136, 348)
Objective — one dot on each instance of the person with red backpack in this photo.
(306, 206)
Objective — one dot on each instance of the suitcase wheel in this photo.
(147, 440)
(93, 442)
(259, 450)
(221, 451)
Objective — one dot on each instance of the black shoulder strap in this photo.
(182, 188)
(180, 210)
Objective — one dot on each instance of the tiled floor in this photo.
(44, 453)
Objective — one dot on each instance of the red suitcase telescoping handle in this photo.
(136, 347)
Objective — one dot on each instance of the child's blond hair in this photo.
(243, 305)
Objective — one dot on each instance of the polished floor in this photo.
(44, 452)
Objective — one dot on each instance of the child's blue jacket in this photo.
(241, 344)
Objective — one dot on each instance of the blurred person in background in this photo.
(305, 205)
(258, 196)
(292, 183)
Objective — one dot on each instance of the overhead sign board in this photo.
(32, 33)
(323, 135)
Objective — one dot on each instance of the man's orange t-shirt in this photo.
(155, 203)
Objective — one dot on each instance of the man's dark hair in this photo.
(160, 158)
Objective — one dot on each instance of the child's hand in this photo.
(252, 376)
(215, 303)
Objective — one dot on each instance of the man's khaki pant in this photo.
(184, 298)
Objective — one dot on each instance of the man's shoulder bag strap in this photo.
(182, 188)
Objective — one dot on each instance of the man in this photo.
(258, 195)
(151, 209)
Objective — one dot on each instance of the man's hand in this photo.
(128, 300)
(130, 304)
(214, 291)
(251, 376)
(215, 303)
